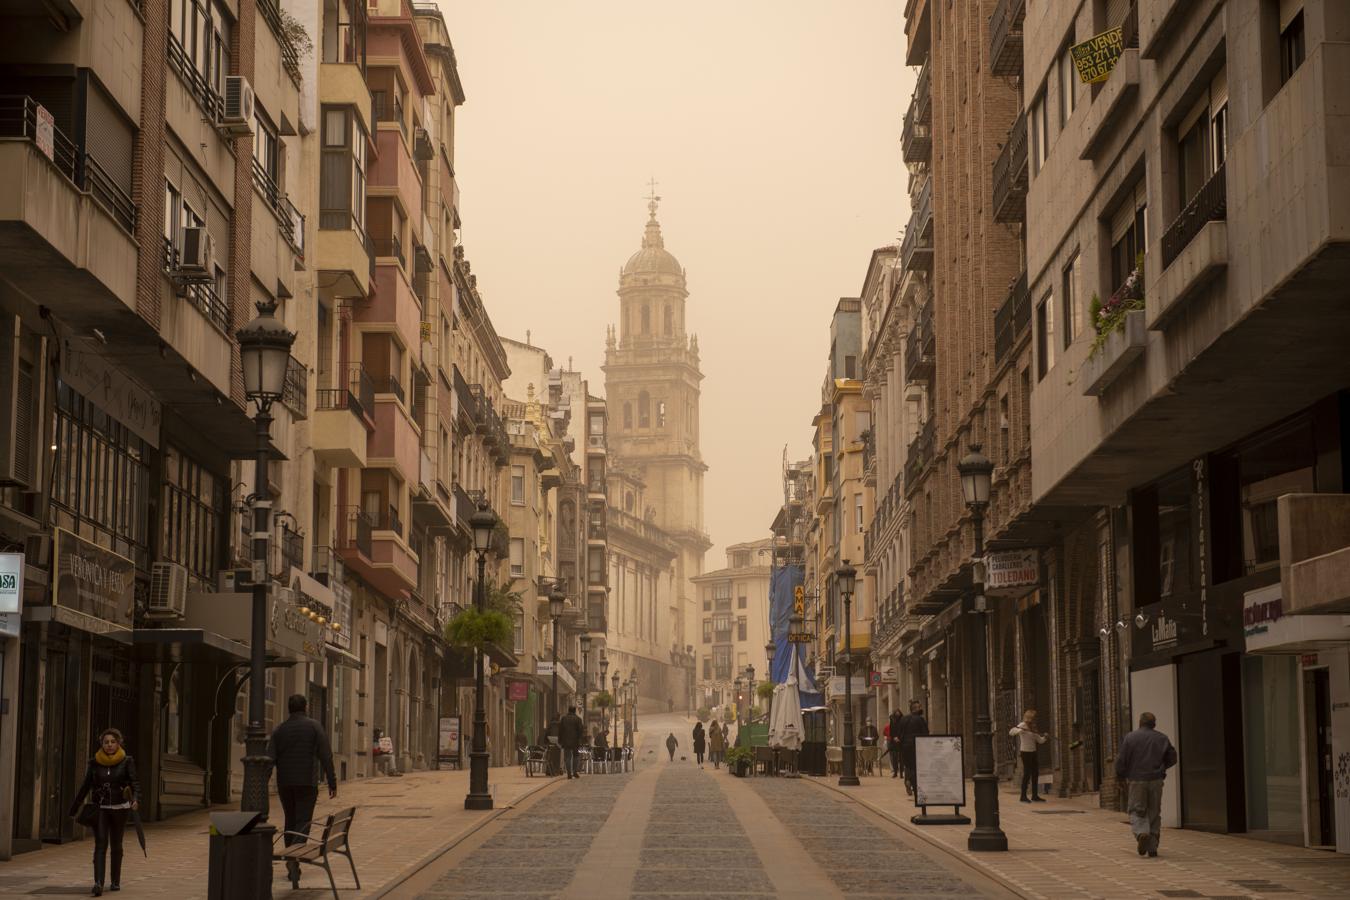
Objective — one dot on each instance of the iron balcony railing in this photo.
(290, 551)
(19, 119)
(919, 456)
(479, 408)
(203, 91)
(1209, 204)
(202, 295)
(464, 503)
(290, 56)
(923, 98)
(390, 521)
(389, 384)
(467, 400)
(390, 246)
(923, 210)
(290, 219)
(355, 391)
(1012, 318)
(920, 346)
(916, 140)
(1010, 175)
(357, 527)
(295, 394)
(1005, 37)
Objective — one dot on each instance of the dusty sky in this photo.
(773, 130)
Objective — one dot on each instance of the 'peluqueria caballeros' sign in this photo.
(1097, 56)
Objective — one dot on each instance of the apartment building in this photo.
(1186, 245)
(735, 624)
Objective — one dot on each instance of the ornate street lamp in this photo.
(634, 682)
(750, 702)
(265, 352)
(845, 577)
(976, 473)
(483, 523)
(557, 601)
(604, 668)
(585, 671)
(769, 650)
(614, 682)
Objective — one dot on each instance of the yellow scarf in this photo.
(104, 759)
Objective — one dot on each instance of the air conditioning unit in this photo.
(422, 148)
(198, 259)
(168, 591)
(237, 116)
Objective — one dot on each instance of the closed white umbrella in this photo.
(785, 725)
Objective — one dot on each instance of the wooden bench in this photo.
(311, 852)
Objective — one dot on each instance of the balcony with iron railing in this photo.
(923, 98)
(468, 402)
(389, 384)
(1005, 37)
(289, 549)
(290, 221)
(1210, 204)
(1012, 318)
(390, 248)
(1194, 250)
(916, 139)
(270, 10)
(919, 456)
(201, 294)
(1010, 175)
(355, 535)
(295, 394)
(921, 346)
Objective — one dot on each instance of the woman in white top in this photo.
(1028, 739)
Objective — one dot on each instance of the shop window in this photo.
(1271, 731)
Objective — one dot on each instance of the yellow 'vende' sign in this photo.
(1096, 57)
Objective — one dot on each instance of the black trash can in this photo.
(239, 866)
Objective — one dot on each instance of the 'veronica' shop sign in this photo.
(94, 582)
(1097, 56)
(1010, 569)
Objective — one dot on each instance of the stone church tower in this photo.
(652, 391)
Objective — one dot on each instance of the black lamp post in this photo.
(614, 682)
(484, 523)
(976, 472)
(556, 601)
(750, 703)
(604, 670)
(265, 351)
(769, 650)
(740, 699)
(585, 673)
(635, 699)
(844, 577)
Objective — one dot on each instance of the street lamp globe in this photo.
(769, 650)
(265, 351)
(976, 472)
(585, 643)
(604, 667)
(750, 673)
(484, 523)
(557, 600)
(846, 575)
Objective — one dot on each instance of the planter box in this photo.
(1123, 346)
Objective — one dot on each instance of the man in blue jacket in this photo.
(297, 747)
(1144, 758)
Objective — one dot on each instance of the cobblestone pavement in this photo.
(1072, 848)
(400, 824)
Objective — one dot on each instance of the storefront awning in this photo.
(187, 645)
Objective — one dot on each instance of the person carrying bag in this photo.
(114, 794)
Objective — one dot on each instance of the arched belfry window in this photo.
(646, 319)
(660, 414)
(644, 410)
(628, 415)
(670, 321)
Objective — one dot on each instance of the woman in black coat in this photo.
(699, 743)
(111, 786)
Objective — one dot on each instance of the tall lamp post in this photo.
(483, 523)
(585, 671)
(265, 351)
(750, 702)
(740, 699)
(769, 650)
(557, 600)
(635, 699)
(845, 576)
(615, 694)
(604, 669)
(976, 471)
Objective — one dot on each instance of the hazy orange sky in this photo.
(773, 130)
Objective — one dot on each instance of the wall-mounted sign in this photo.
(545, 669)
(1268, 630)
(93, 581)
(517, 691)
(801, 637)
(1008, 569)
(11, 582)
(447, 744)
(44, 134)
(1096, 57)
(103, 384)
(295, 633)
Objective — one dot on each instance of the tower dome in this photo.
(653, 258)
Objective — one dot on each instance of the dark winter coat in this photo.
(700, 744)
(109, 785)
(296, 746)
(895, 729)
(912, 726)
(1145, 755)
(571, 731)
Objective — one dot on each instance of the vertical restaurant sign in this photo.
(11, 582)
(1096, 57)
(102, 384)
(93, 581)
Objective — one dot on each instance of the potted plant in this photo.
(739, 760)
(703, 714)
(474, 630)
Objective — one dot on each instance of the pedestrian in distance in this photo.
(114, 794)
(868, 736)
(298, 747)
(700, 743)
(382, 751)
(570, 732)
(717, 744)
(1144, 758)
(671, 744)
(1028, 739)
(912, 726)
(894, 726)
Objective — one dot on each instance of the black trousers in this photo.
(895, 758)
(109, 828)
(298, 803)
(1031, 770)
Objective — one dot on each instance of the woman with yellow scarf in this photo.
(113, 791)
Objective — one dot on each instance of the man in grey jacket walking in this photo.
(1144, 758)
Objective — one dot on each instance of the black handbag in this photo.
(88, 815)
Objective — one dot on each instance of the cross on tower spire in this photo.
(652, 198)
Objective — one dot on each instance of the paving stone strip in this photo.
(860, 858)
(536, 852)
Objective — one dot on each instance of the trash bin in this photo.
(239, 865)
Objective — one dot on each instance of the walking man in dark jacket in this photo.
(893, 729)
(296, 746)
(1144, 758)
(911, 726)
(571, 731)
